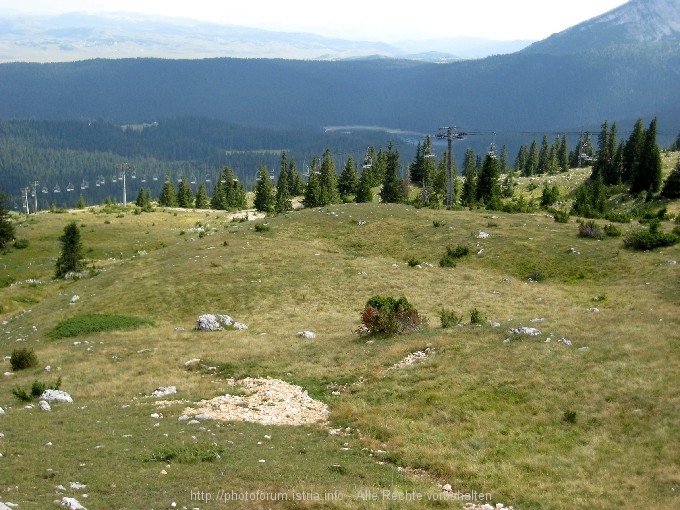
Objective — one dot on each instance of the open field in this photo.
(536, 424)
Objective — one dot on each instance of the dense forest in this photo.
(68, 159)
(517, 92)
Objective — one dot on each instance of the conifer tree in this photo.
(531, 167)
(202, 201)
(671, 186)
(185, 197)
(488, 183)
(650, 171)
(393, 187)
(71, 257)
(296, 184)
(143, 200)
(265, 199)
(522, 159)
(364, 192)
(7, 230)
(312, 196)
(505, 163)
(328, 180)
(283, 198)
(348, 180)
(544, 156)
(468, 196)
(632, 152)
(167, 198)
(563, 155)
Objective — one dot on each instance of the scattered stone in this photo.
(537, 319)
(506, 280)
(193, 422)
(564, 341)
(48, 368)
(583, 348)
(494, 324)
(239, 326)
(44, 406)
(77, 485)
(56, 396)
(74, 298)
(192, 362)
(163, 391)
(268, 401)
(525, 331)
(2, 411)
(413, 358)
(7, 374)
(593, 310)
(306, 334)
(672, 262)
(72, 503)
(483, 235)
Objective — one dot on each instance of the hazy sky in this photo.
(386, 20)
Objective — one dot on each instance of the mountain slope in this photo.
(638, 21)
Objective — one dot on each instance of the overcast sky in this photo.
(374, 20)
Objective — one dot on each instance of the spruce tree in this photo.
(283, 198)
(563, 155)
(505, 163)
(648, 176)
(328, 180)
(632, 152)
(671, 186)
(7, 230)
(185, 197)
(393, 187)
(202, 201)
(521, 160)
(71, 258)
(532, 160)
(348, 180)
(488, 184)
(364, 192)
(265, 199)
(296, 184)
(168, 197)
(544, 157)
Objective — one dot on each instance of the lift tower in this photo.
(449, 133)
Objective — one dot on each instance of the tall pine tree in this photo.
(265, 199)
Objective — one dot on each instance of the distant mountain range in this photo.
(638, 21)
(78, 36)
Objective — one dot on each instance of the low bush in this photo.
(452, 254)
(590, 229)
(560, 216)
(413, 262)
(476, 316)
(648, 239)
(449, 318)
(536, 276)
(612, 231)
(93, 323)
(21, 244)
(389, 316)
(22, 359)
(262, 227)
(37, 389)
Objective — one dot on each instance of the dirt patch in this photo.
(266, 401)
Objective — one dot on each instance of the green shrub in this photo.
(618, 217)
(590, 229)
(21, 244)
(438, 223)
(612, 231)
(642, 239)
(476, 316)
(93, 323)
(569, 416)
(22, 359)
(389, 316)
(449, 318)
(536, 276)
(21, 394)
(262, 227)
(453, 253)
(560, 216)
(413, 262)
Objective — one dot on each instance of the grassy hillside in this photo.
(536, 424)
